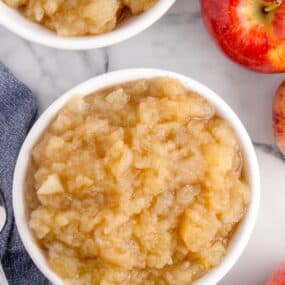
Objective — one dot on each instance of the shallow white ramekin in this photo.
(18, 24)
(245, 228)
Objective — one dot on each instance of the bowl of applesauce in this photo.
(80, 25)
(138, 176)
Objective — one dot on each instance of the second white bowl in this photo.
(23, 27)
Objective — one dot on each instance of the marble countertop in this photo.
(179, 42)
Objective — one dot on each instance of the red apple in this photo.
(279, 117)
(250, 32)
(278, 277)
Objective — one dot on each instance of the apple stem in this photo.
(272, 6)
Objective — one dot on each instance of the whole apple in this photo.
(250, 32)
(279, 117)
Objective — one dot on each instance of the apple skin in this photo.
(247, 34)
(278, 277)
(278, 113)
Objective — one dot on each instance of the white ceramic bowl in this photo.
(245, 228)
(23, 27)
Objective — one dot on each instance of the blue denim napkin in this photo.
(18, 110)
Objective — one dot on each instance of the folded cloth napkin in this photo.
(18, 110)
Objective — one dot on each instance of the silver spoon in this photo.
(3, 218)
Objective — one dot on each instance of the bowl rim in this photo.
(244, 231)
(15, 22)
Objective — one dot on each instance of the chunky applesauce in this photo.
(77, 17)
(140, 183)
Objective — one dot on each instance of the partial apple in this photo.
(278, 277)
(250, 32)
(279, 117)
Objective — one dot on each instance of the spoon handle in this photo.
(3, 279)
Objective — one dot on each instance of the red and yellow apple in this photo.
(250, 32)
(279, 117)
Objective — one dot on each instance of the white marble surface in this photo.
(180, 43)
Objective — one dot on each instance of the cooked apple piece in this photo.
(223, 132)
(148, 112)
(119, 158)
(198, 228)
(138, 6)
(62, 123)
(83, 181)
(54, 144)
(100, 13)
(166, 87)
(65, 265)
(211, 256)
(118, 99)
(220, 158)
(51, 185)
(41, 222)
(239, 199)
(180, 274)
